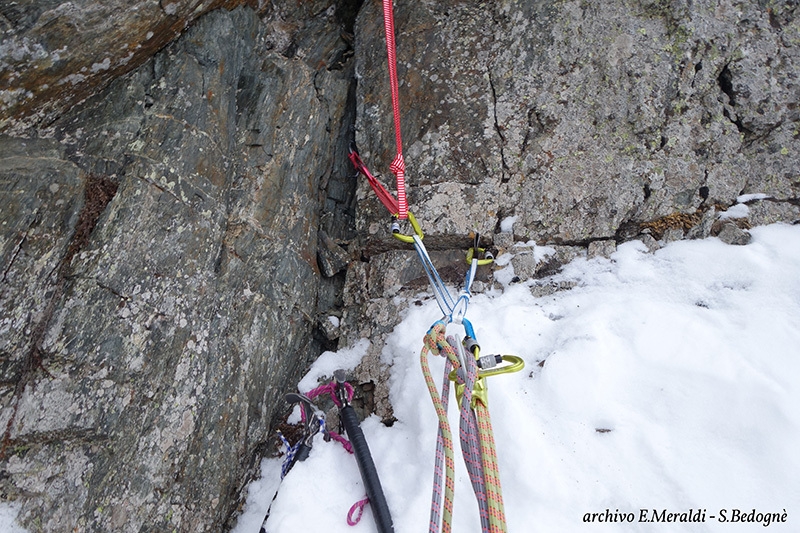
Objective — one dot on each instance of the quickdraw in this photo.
(468, 370)
(464, 364)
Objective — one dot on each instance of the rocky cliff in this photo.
(179, 218)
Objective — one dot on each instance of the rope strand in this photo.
(439, 402)
(477, 441)
(398, 166)
(470, 445)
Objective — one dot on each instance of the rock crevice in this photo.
(147, 335)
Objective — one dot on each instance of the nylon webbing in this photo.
(380, 191)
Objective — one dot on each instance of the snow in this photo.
(744, 198)
(735, 211)
(327, 363)
(8, 515)
(507, 224)
(661, 383)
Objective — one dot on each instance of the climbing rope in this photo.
(398, 166)
(468, 430)
(468, 370)
(477, 442)
(444, 446)
(463, 363)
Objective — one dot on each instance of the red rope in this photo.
(398, 166)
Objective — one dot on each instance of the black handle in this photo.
(369, 474)
(302, 453)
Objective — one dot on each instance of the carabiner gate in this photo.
(399, 235)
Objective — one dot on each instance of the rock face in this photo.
(583, 118)
(179, 218)
(590, 123)
(56, 53)
(160, 288)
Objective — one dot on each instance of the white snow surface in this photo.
(327, 363)
(755, 196)
(735, 211)
(507, 224)
(688, 359)
(8, 515)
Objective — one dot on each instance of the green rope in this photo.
(491, 471)
(435, 343)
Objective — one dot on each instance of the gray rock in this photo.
(548, 287)
(478, 287)
(732, 234)
(164, 195)
(650, 242)
(703, 229)
(663, 109)
(771, 210)
(53, 54)
(602, 248)
(524, 262)
(553, 263)
(503, 241)
(329, 327)
(331, 257)
(672, 235)
(149, 331)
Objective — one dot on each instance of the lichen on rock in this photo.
(180, 220)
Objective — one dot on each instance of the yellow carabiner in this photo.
(409, 239)
(481, 262)
(479, 390)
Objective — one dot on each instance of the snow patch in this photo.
(9, 511)
(749, 197)
(507, 224)
(735, 211)
(663, 380)
(329, 362)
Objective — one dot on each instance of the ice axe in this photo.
(369, 474)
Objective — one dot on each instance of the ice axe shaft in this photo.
(369, 474)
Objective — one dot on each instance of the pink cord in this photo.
(357, 507)
(330, 388)
(341, 440)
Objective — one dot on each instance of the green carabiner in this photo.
(479, 390)
(409, 239)
(476, 249)
(481, 262)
